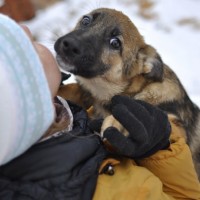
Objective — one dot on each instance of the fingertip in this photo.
(115, 98)
(124, 100)
(118, 99)
(107, 134)
(119, 110)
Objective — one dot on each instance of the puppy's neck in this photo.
(101, 88)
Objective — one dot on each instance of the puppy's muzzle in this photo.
(68, 46)
(76, 54)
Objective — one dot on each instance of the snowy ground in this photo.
(172, 27)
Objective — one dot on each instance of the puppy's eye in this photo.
(115, 43)
(86, 21)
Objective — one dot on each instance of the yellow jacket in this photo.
(168, 174)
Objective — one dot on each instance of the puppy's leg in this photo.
(76, 94)
(111, 121)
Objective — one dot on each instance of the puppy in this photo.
(108, 56)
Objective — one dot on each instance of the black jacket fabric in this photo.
(61, 168)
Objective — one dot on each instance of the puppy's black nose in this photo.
(71, 46)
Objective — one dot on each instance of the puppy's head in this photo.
(105, 41)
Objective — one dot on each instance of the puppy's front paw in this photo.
(110, 121)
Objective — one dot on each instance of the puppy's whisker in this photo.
(86, 5)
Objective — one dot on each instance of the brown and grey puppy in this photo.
(109, 56)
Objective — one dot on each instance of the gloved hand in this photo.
(148, 127)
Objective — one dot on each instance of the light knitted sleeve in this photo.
(26, 109)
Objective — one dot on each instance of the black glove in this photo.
(148, 128)
(95, 125)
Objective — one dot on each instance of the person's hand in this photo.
(48, 61)
(147, 128)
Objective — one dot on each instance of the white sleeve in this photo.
(26, 109)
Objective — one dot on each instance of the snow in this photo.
(178, 45)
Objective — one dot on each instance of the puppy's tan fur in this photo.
(135, 70)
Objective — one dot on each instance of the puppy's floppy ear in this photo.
(150, 63)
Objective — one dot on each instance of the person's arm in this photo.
(148, 143)
(26, 109)
(175, 168)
